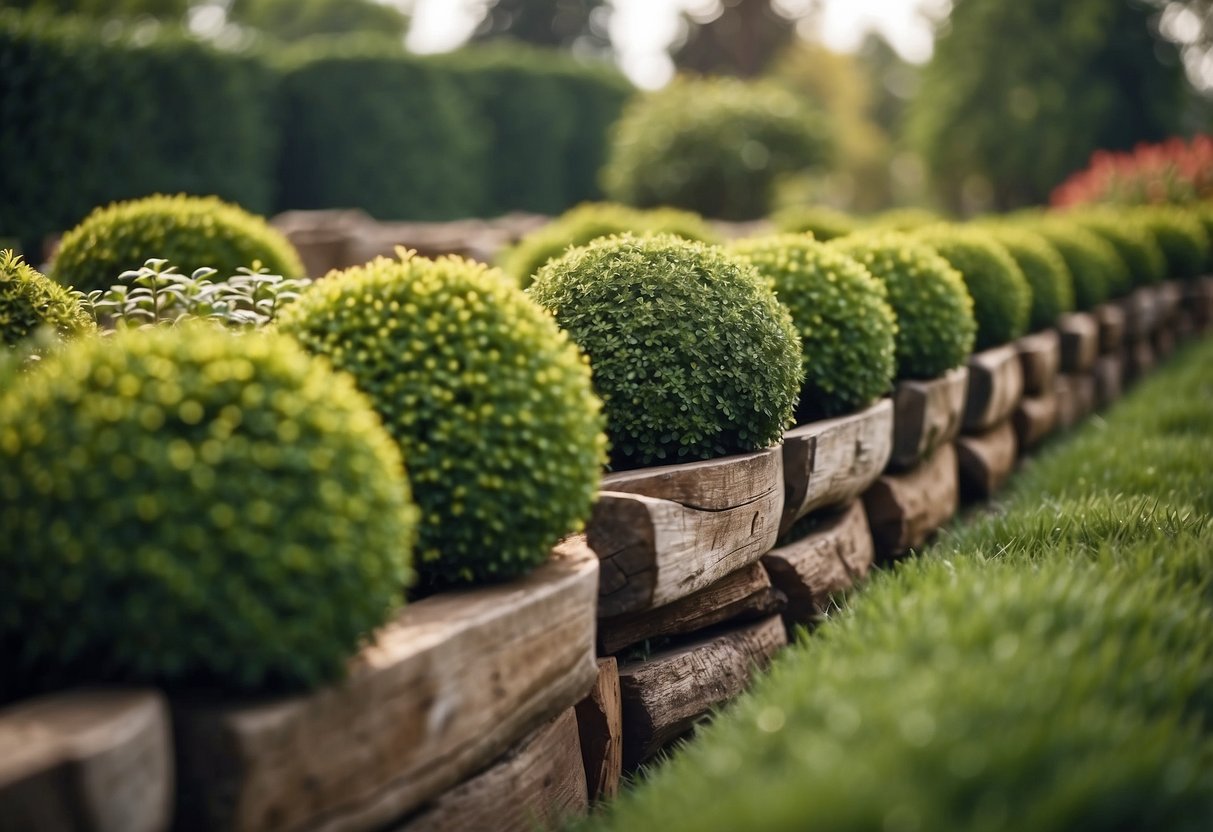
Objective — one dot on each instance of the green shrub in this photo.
(84, 109)
(587, 223)
(183, 506)
(715, 146)
(847, 329)
(598, 94)
(490, 402)
(903, 219)
(191, 232)
(691, 352)
(935, 324)
(1001, 294)
(1203, 212)
(1093, 262)
(29, 301)
(1052, 287)
(1133, 241)
(1182, 238)
(822, 222)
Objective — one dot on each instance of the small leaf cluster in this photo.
(191, 232)
(1095, 266)
(187, 506)
(588, 222)
(491, 404)
(1043, 268)
(935, 324)
(713, 145)
(692, 354)
(847, 328)
(1133, 240)
(1001, 294)
(1182, 238)
(157, 295)
(823, 222)
(30, 301)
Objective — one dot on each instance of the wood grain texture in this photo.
(600, 726)
(926, 415)
(830, 463)
(745, 594)
(1079, 342)
(995, 387)
(831, 559)
(665, 533)
(97, 760)
(1039, 360)
(664, 695)
(906, 509)
(1111, 320)
(449, 685)
(539, 785)
(1034, 419)
(986, 460)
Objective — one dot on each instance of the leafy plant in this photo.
(1182, 238)
(1093, 262)
(1134, 242)
(29, 301)
(1044, 269)
(1170, 172)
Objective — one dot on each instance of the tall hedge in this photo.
(91, 115)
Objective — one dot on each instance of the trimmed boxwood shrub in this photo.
(715, 146)
(692, 354)
(29, 301)
(847, 328)
(1001, 295)
(183, 506)
(191, 232)
(1181, 236)
(822, 222)
(903, 219)
(1045, 270)
(1093, 262)
(490, 402)
(1133, 241)
(935, 324)
(1203, 212)
(587, 223)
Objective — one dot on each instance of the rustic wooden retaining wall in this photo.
(514, 707)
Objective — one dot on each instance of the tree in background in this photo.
(293, 20)
(174, 10)
(566, 24)
(1019, 94)
(741, 40)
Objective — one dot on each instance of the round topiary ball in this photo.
(588, 222)
(490, 402)
(822, 222)
(186, 506)
(693, 355)
(1093, 262)
(935, 324)
(847, 328)
(189, 232)
(1045, 271)
(29, 301)
(1181, 236)
(1134, 243)
(1001, 295)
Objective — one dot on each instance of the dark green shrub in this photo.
(85, 120)
(1181, 236)
(715, 146)
(1203, 212)
(691, 352)
(490, 402)
(587, 223)
(1093, 262)
(822, 222)
(183, 506)
(365, 125)
(191, 232)
(1001, 294)
(1133, 241)
(935, 324)
(847, 328)
(1045, 270)
(29, 301)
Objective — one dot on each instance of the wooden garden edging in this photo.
(926, 415)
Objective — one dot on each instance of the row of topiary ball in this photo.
(196, 507)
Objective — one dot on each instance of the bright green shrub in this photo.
(847, 329)
(191, 232)
(903, 219)
(183, 506)
(1181, 236)
(1093, 262)
(29, 301)
(715, 146)
(1001, 294)
(1046, 272)
(84, 109)
(691, 352)
(587, 223)
(1133, 241)
(822, 222)
(490, 402)
(935, 324)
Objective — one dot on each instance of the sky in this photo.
(641, 30)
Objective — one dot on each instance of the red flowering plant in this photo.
(1174, 171)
